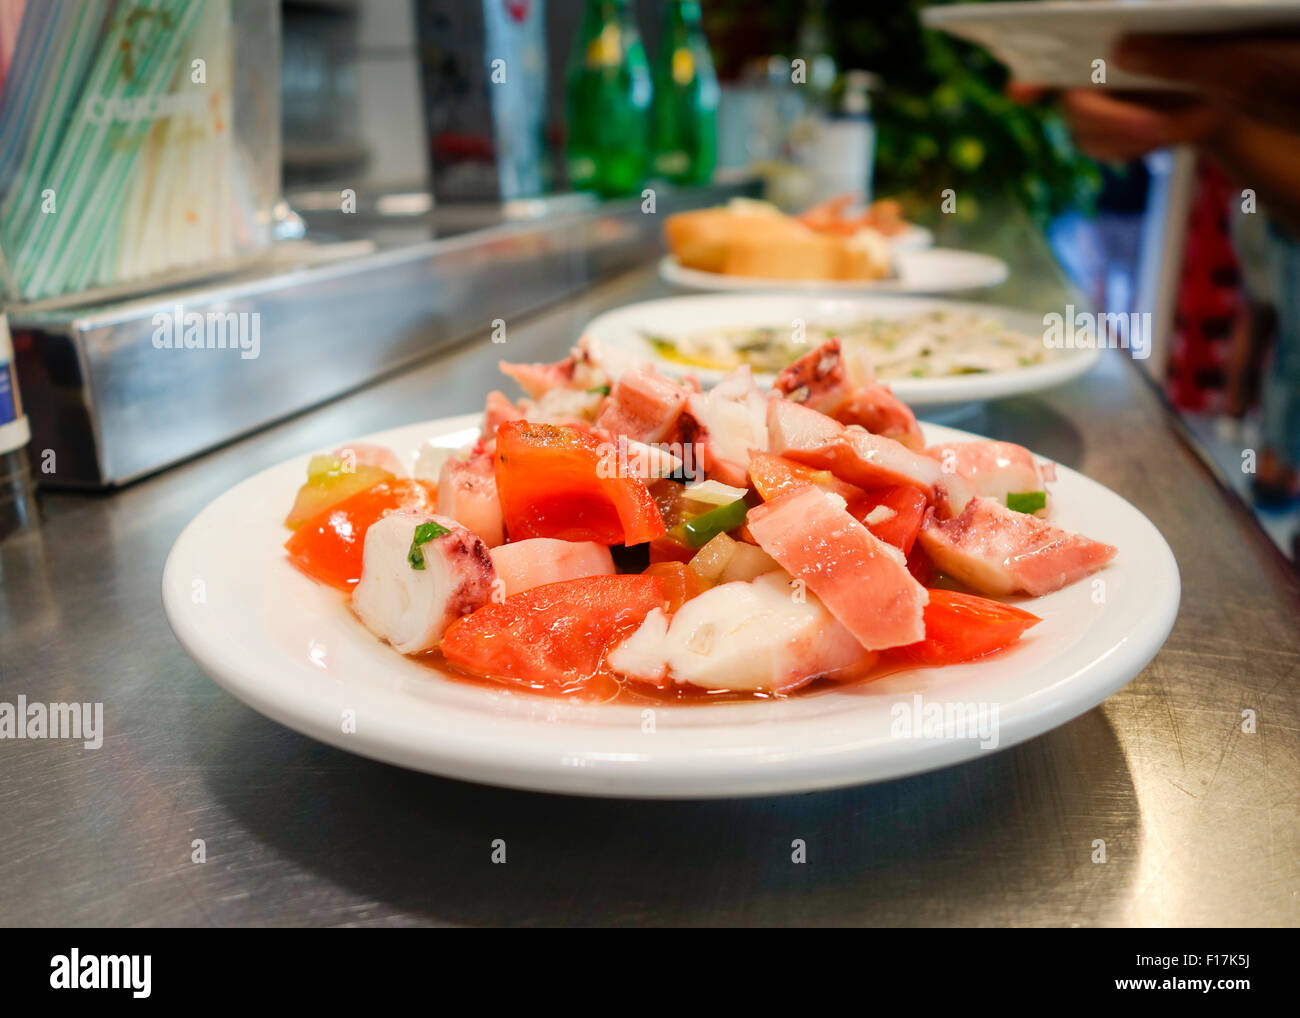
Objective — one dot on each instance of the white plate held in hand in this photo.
(1057, 42)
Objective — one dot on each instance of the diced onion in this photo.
(712, 559)
(714, 493)
(747, 563)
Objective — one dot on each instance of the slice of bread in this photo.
(701, 239)
(771, 246)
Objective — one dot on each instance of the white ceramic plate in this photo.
(1056, 41)
(292, 650)
(912, 238)
(931, 270)
(625, 328)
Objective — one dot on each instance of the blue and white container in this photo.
(14, 430)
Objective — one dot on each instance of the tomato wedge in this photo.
(560, 482)
(554, 637)
(962, 627)
(773, 475)
(328, 546)
(920, 566)
(681, 583)
(666, 549)
(907, 504)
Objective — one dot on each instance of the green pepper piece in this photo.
(1027, 501)
(705, 527)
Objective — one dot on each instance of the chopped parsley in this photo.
(424, 533)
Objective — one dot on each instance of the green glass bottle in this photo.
(684, 136)
(609, 96)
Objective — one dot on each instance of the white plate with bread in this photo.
(833, 246)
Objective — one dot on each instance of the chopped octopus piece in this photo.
(638, 459)
(643, 406)
(497, 410)
(601, 364)
(539, 379)
(822, 381)
(730, 423)
(411, 606)
(876, 408)
(467, 492)
(994, 469)
(858, 457)
(563, 406)
(863, 581)
(757, 636)
(522, 565)
(998, 551)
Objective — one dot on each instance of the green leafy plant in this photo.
(945, 120)
(943, 116)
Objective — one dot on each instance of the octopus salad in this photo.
(615, 532)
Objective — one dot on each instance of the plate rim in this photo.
(675, 273)
(531, 766)
(1041, 10)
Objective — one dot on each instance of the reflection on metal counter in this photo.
(116, 399)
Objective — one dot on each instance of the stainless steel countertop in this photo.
(1201, 821)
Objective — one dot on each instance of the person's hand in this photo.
(1227, 78)
(1254, 76)
(1125, 125)
(1240, 106)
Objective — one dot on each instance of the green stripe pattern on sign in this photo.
(95, 111)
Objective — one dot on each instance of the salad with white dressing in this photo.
(930, 344)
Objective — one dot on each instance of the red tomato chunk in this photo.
(559, 482)
(963, 627)
(328, 546)
(554, 637)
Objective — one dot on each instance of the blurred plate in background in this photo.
(913, 238)
(628, 328)
(932, 270)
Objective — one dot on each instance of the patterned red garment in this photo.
(1210, 298)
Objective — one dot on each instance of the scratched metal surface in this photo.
(1201, 821)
